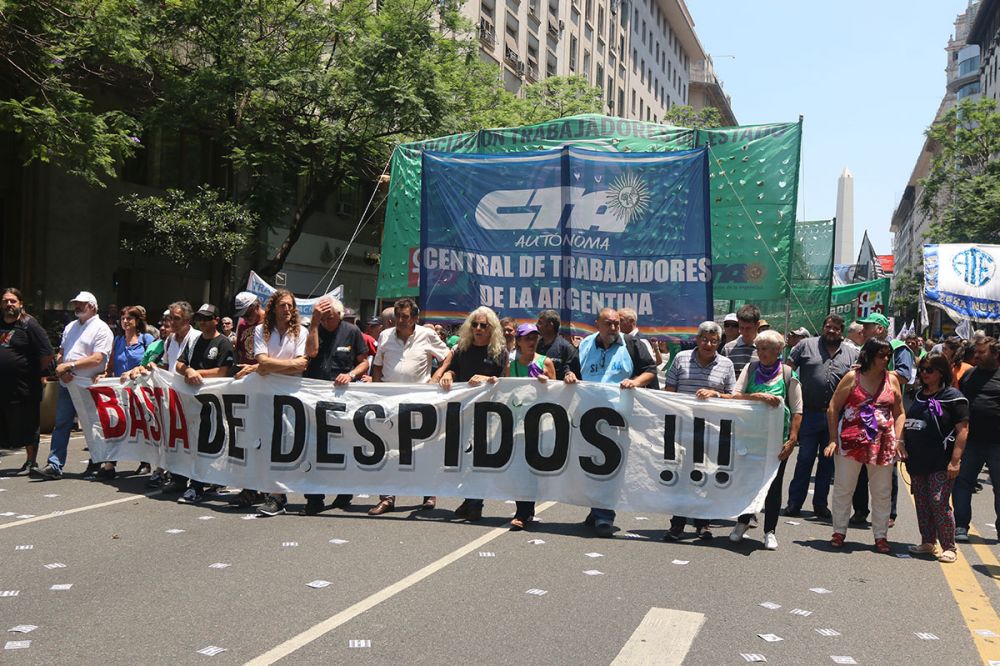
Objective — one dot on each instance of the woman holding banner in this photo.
(772, 382)
(480, 356)
(867, 411)
(528, 363)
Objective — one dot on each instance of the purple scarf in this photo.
(765, 374)
(868, 421)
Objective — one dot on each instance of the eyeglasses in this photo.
(479, 324)
(508, 331)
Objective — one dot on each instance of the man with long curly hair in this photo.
(279, 347)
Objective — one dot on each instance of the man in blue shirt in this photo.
(609, 358)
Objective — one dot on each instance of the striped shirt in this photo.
(687, 375)
(740, 353)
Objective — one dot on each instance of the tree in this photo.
(962, 191)
(687, 116)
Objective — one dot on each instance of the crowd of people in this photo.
(856, 401)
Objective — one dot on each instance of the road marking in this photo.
(326, 626)
(973, 604)
(664, 637)
(59, 514)
(986, 555)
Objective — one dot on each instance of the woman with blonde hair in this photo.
(480, 356)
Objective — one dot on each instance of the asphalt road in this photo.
(422, 588)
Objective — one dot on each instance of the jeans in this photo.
(813, 438)
(879, 484)
(860, 499)
(772, 503)
(65, 415)
(975, 455)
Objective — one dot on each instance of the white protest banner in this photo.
(262, 290)
(587, 444)
(961, 279)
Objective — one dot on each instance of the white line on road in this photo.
(664, 638)
(348, 614)
(59, 514)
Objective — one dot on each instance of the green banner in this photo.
(853, 301)
(754, 181)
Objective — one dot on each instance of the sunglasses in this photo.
(926, 370)
(479, 324)
(732, 325)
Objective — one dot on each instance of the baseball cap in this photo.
(801, 331)
(375, 321)
(84, 297)
(875, 318)
(526, 329)
(207, 311)
(350, 313)
(244, 300)
(731, 317)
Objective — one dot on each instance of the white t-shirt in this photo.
(283, 348)
(409, 362)
(174, 348)
(82, 340)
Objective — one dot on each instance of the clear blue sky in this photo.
(867, 77)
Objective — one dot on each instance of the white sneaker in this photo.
(738, 532)
(770, 541)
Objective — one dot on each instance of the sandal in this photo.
(882, 546)
(947, 557)
(518, 523)
(837, 540)
(922, 549)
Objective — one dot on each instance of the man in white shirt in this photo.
(83, 354)
(279, 347)
(405, 355)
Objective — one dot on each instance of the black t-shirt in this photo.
(339, 350)
(23, 344)
(929, 438)
(564, 356)
(208, 354)
(474, 361)
(982, 388)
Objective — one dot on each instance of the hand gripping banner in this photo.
(587, 444)
(571, 230)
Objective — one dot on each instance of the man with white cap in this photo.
(250, 312)
(83, 354)
(793, 338)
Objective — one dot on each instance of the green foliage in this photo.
(962, 191)
(687, 116)
(906, 288)
(56, 57)
(187, 226)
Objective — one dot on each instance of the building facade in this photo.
(644, 55)
(909, 223)
(985, 34)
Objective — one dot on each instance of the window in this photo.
(588, 11)
(586, 65)
(599, 79)
(572, 53)
(600, 20)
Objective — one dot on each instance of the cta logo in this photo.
(608, 211)
(974, 266)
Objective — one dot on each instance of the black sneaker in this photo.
(144, 468)
(342, 501)
(107, 474)
(191, 496)
(174, 486)
(822, 512)
(859, 520)
(27, 469)
(792, 511)
(604, 529)
(49, 473)
(673, 534)
(155, 481)
(272, 506)
(312, 508)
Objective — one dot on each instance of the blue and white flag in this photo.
(571, 230)
(962, 280)
(257, 286)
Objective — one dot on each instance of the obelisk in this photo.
(844, 251)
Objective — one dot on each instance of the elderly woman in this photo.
(772, 382)
(480, 356)
(867, 410)
(936, 428)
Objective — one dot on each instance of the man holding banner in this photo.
(609, 357)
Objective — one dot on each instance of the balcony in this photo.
(531, 72)
(487, 34)
(511, 57)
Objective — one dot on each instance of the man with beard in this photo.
(83, 354)
(821, 363)
(25, 352)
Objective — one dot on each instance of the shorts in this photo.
(19, 424)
